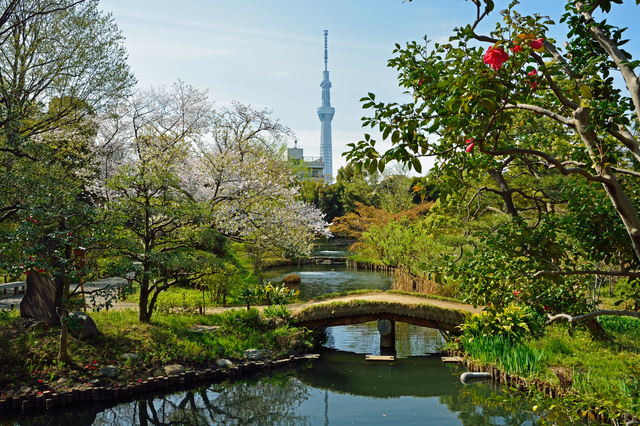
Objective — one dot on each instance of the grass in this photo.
(523, 359)
(28, 356)
(568, 357)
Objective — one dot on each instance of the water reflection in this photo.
(317, 280)
(272, 400)
(364, 339)
(340, 389)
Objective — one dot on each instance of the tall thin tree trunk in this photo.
(63, 354)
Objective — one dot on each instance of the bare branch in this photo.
(570, 318)
(588, 272)
(543, 111)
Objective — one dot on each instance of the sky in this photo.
(270, 54)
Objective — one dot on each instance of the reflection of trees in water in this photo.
(411, 340)
(473, 409)
(269, 401)
(415, 340)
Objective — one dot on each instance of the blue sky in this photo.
(270, 53)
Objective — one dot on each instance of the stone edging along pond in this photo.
(523, 385)
(47, 400)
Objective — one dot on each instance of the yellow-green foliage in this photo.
(515, 322)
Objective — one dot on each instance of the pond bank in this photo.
(550, 390)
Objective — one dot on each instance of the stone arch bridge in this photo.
(386, 308)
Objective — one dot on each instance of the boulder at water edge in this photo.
(173, 370)
(109, 371)
(253, 354)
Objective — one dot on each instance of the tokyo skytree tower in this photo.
(325, 113)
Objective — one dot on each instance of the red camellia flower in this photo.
(516, 48)
(536, 44)
(470, 144)
(495, 57)
(532, 74)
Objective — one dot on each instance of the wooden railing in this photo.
(17, 287)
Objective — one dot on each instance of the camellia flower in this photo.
(470, 144)
(517, 48)
(536, 44)
(533, 74)
(495, 57)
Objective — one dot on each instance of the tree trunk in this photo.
(505, 192)
(63, 353)
(614, 190)
(144, 298)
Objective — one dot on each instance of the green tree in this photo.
(518, 103)
(62, 61)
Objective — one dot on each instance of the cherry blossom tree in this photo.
(251, 190)
(170, 186)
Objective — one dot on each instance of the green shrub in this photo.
(268, 294)
(629, 325)
(277, 311)
(187, 302)
(514, 321)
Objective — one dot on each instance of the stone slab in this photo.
(380, 358)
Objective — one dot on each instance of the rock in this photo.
(224, 362)
(42, 298)
(291, 279)
(204, 328)
(292, 352)
(25, 322)
(62, 380)
(253, 354)
(94, 382)
(129, 356)
(38, 324)
(24, 389)
(109, 371)
(82, 326)
(173, 370)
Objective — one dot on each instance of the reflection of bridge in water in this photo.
(402, 377)
(386, 309)
(328, 259)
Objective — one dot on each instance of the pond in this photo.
(340, 388)
(317, 280)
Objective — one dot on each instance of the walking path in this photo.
(6, 302)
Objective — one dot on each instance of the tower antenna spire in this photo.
(326, 54)
(325, 114)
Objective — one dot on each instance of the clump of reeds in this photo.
(515, 358)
